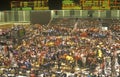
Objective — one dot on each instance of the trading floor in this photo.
(66, 47)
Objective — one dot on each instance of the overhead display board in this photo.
(67, 4)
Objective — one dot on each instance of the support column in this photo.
(118, 13)
(52, 14)
(24, 16)
(63, 13)
(0, 16)
(80, 13)
(99, 13)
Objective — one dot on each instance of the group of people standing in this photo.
(47, 49)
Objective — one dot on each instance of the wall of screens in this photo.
(15, 16)
(88, 13)
(24, 16)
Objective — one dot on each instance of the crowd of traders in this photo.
(46, 49)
